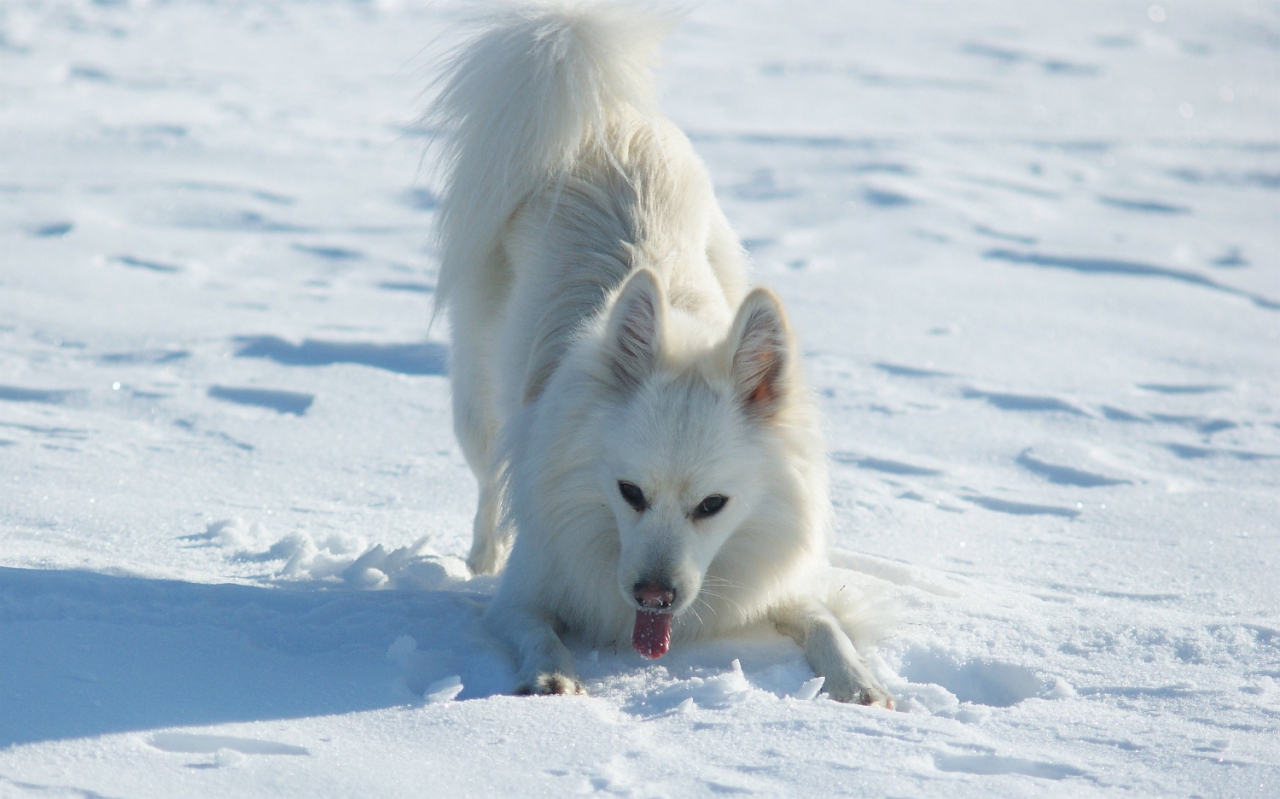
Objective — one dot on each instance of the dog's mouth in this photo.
(656, 604)
(652, 634)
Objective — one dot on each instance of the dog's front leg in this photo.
(830, 653)
(545, 665)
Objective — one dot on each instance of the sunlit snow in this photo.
(1031, 253)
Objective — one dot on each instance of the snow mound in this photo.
(716, 691)
(342, 559)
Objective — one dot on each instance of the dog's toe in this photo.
(483, 561)
(874, 696)
(558, 683)
(552, 683)
(854, 694)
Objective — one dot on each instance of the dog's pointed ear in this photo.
(635, 329)
(761, 353)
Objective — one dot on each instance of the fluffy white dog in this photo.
(649, 459)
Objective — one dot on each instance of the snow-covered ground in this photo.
(1031, 250)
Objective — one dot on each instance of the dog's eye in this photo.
(710, 506)
(633, 495)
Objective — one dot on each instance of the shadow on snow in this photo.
(87, 654)
(422, 358)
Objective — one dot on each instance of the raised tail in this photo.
(517, 103)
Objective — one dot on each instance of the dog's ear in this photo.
(762, 347)
(635, 329)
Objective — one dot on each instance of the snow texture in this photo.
(1030, 250)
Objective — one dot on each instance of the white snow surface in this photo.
(1031, 250)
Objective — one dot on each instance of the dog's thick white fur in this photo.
(635, 415)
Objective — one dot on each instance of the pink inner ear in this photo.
(761, 356)
(762, 398)
(763, 393)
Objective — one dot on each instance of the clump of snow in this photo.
(717, 691)
(234, 534)
(402, 649)
(443, 690)
(346, 559)
(809, 690)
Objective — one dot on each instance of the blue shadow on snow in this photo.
(423, 358)
(88, 654)
(51, 397)
(1111, 266)
(292, 402)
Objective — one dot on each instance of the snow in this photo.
(1030, 250)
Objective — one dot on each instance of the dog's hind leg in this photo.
(489, 545)
(476, 421)
(476, 431)
(545, 665)
(830, 653)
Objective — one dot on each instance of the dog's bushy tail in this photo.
(518, 102)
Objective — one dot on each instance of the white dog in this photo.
(649, 459)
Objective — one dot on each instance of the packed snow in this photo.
(1030, 250)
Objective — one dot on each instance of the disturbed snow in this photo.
(1030, 251)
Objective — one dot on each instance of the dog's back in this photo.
(518, 103)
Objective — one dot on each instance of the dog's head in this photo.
(686, 455)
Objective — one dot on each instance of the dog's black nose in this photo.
(654, 596)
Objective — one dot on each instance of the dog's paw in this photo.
(484, 558)
(481, 564)
(552, 683)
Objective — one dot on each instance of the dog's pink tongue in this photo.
(652, 635)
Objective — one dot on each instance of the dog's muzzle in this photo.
(655, 596)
